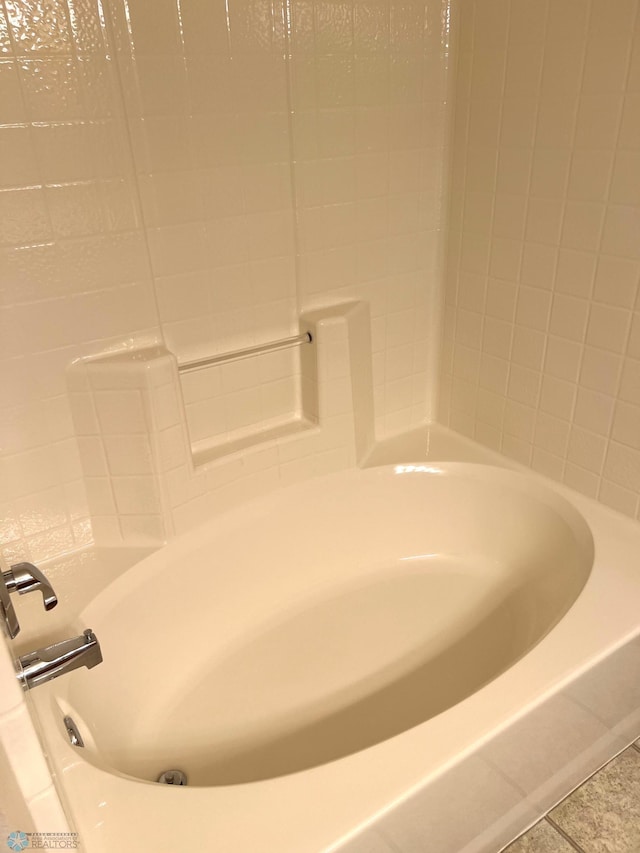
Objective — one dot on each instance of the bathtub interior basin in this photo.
(323, 619)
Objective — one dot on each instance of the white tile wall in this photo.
(542, 356)
(74, 276)
(336, 116)
(114, 422)
(368, 144)
(207, 102)
(156, 198)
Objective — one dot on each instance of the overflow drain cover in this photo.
(73, 733)
(173, 777)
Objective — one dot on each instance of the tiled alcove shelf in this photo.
(144, 483)
(232, 406)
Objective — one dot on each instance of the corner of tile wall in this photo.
(139, 473)
(541, 353)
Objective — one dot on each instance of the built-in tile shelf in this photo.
(145, 476)
(205, 451)
(241, 403)
(230, 402)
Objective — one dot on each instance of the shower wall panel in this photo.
(205, 172)
(289, 155)
(74, 273)
(542, 322)
(369, 113)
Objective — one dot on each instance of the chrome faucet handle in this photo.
(25, 577)
(7, 610)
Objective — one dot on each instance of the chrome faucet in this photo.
(22, 578)
(51, 661)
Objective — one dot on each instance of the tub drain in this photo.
(173, 777)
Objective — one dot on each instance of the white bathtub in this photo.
(361, 662)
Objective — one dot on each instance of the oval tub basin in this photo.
(323, 619)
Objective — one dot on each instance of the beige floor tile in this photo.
(542, 838)
(603, 816)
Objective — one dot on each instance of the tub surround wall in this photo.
(542, 322)
(369, 126)
(290, 155)
(206, 96)
(178, 171)
(74, 276)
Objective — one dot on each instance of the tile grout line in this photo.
(561, 832)
(491, 220)
(566, 201)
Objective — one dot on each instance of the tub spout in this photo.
(51, 661)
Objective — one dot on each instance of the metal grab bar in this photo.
(284, 343)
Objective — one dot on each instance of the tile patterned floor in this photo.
(601, 816)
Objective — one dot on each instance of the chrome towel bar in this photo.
(283, 343)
